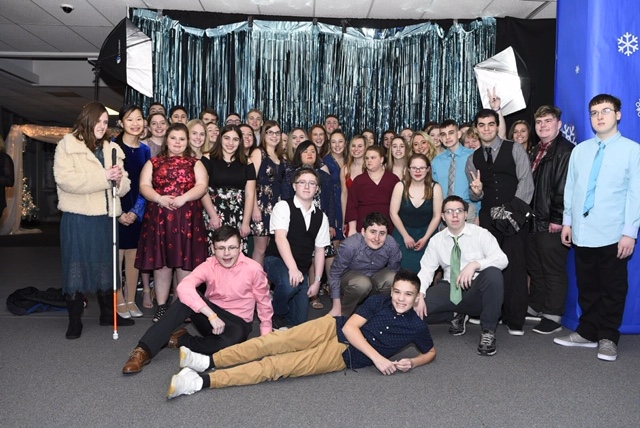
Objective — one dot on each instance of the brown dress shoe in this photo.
(138, 359)
(173, 340)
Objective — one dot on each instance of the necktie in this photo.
(541, 153)
(593, 178)
(455, 293)
(452, 175)
(489, 156)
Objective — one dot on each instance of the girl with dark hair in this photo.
(232, 185)
(173, 232)
(318, 136)
(273, 172)
(84, 172)
(249, 140)
(520, 132)
(416, 205)
(133, 205)
(370, 191)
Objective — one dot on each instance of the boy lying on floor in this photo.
(379, 329)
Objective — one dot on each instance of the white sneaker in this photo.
(193, 360)
(184, 383)
(607, 350)
(574, 339)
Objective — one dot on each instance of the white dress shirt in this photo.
(477, 244)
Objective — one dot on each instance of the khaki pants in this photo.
(356, 287)
(308, 349)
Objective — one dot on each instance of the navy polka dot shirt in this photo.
(386, 331)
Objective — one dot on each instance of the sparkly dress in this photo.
(269, 182)
(227, 181)
(172, 238)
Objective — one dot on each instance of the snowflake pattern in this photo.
(577, 69)
(638, 107)
(627, 44)
(569, 132)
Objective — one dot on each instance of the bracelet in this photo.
(318, 278)
(212, 317)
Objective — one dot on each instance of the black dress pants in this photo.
(602, 291)
(547, 267)
(483, 298)
(516, 293)
(236, 330)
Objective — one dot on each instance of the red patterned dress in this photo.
(172, 238)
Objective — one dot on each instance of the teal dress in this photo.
(416, 221)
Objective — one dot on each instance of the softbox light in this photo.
(508, 74)
(126, 55)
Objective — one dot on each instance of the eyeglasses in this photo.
(230, 248)
(605, 112)
(233, 122)
(273, 133)
(457, 211)
(417, 168)
(307, 183)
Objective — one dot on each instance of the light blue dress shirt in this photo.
(440, 167)
(616, 209)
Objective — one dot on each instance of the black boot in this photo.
(75, 306)
(105, 300)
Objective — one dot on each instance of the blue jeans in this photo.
(288, 301)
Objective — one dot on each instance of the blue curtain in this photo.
(299, 72)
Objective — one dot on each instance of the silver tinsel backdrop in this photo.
(298, 72)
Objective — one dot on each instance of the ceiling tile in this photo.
(231, 6)
(82, 14)
(466, 9)
(401, 9)
(548, 12)
(94, 35)
(6, 47)
(342, 9)
(115, 10)
(22, 40)
(287, 7)
(61, 38)
(175, 4)
(27, 12)
(502, 8)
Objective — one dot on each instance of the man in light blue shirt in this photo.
(441, 166)
(601, 219)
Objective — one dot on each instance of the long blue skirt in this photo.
(86, 243)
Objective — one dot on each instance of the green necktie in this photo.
(455, 293)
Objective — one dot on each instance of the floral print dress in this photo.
(227, 181)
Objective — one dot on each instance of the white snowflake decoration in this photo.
(628, 44)
(569, 132)
(638, 107)
(577, 69)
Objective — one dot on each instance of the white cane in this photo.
(115, 252)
